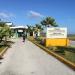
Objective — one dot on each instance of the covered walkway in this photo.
(28, 59)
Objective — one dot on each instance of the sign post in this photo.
(56, 36)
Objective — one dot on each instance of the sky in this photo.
(30, 12)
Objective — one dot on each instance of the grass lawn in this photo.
(71, 37)
(69, 56)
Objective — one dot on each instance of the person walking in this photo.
(24, 37)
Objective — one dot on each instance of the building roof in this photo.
(9, 23)
(19, 27)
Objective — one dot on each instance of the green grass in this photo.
(69, 56)
(71, 37)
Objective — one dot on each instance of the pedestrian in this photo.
(24, 37)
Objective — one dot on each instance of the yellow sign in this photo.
(56, 37)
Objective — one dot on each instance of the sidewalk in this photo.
(28, 59)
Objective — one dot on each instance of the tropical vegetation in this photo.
(5, 32)
(49, 21)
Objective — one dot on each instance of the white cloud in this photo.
(3, 15)
(6, 15)
(34, 14)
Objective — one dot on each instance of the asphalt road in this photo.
(28, 59)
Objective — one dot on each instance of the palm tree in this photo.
(4, 31)
(1, 30)
(38, 26)
(49, 21)
(30, 29)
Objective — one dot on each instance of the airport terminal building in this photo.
(18, 30)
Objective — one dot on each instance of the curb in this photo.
(3, 51)
(65, 61)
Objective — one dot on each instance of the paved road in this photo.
(27, 59)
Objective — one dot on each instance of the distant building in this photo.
(9, 23)
(18, 30)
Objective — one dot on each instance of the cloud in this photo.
(3, 15)
(33, 14)
(6, 15)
